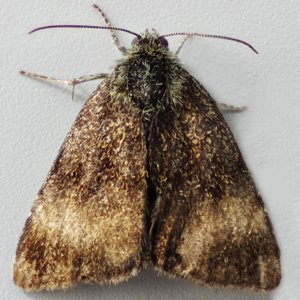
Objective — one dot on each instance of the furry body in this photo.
(149, 173)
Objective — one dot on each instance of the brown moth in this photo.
(149, 174)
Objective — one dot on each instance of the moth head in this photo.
(152, 39)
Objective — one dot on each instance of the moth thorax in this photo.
(147, 84)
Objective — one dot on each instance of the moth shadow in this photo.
(149, 285)
(233, 121)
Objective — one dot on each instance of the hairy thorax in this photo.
(147, 78)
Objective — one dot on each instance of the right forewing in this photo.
(209, 222)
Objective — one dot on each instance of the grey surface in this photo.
(36, 116)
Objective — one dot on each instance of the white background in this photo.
(36, 116)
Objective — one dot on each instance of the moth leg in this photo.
(182, 43)
(113, 35)
(230, 108)
(72, 82)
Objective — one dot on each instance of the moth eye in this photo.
(145, 41)
(164, 42)
(135, 41)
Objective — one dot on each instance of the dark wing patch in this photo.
(88, 221)
(209, 223)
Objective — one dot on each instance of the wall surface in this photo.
(36, 116)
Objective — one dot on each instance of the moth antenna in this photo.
(84, 26)
(212, 36)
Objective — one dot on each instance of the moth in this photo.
(149, 173)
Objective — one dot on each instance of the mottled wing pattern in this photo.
(88, 221)
(209, 223)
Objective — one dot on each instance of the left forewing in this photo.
(88, 221)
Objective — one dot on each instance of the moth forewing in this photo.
(211, 225)
(88, 221)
